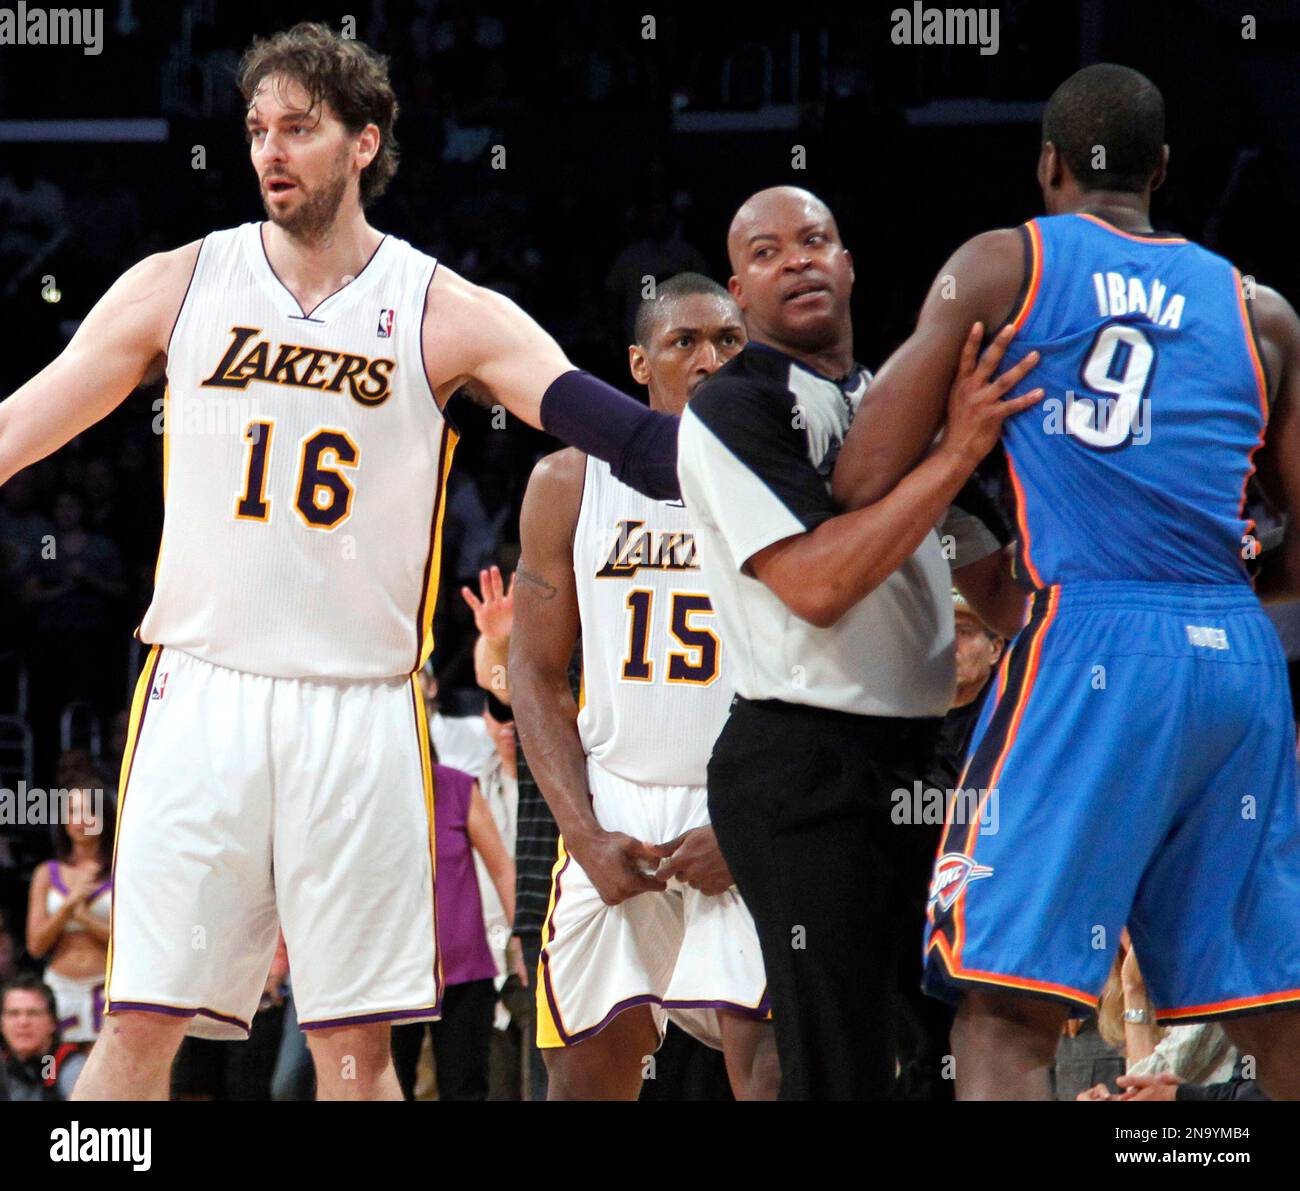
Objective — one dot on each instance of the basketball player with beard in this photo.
(277, 770)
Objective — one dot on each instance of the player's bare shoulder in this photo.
(553, 499)
(141, 307)
(989, 269)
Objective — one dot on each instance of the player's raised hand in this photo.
(977, 401)
(494, 614)
(696, 859)
(619, 866)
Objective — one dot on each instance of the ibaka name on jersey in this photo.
(249, 357)
(636, 548)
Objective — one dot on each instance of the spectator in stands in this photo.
(35, 1064)
(23, 527)
(535, 833)
(74, 596)
(463, 830)
(1193, 1054)
(460, 741)
(69, 905)
(8, 952)
(31, 218)
(658, 251)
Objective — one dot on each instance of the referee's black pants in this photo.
(802, 803)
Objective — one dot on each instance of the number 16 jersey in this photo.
(656, 685)
(304, 470)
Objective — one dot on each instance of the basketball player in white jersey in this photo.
(277, 769)
(644, 922)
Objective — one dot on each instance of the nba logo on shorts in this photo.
(161, 686)
(385, 323)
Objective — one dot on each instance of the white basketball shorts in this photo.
(685, 954)
(250, 804)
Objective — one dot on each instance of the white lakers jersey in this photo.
(656, 684)
(305, 461)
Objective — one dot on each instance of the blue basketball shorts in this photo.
(1134, 766)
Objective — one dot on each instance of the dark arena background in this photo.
(557, 152)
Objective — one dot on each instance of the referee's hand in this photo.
(977, 402)
(619, 866)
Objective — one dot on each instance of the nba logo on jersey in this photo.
(385, 328)
(161, 686)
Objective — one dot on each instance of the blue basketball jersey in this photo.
(1134, 465)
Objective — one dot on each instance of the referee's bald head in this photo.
(764, 208)
(791, 274)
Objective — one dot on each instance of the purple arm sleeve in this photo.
(638, 443)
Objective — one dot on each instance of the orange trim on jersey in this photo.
(428, 780)
(433, 562)
(1101, 223)
(1022, 520)
(1261, 385)
(1019, 983)
(139, 703)
(1237, 1005)
(1035, 274)
(1035, 647)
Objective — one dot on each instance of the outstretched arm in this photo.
(904, 408)
(1279, 462)
(121, 342)
(474, 336)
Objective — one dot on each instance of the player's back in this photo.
(656, 685)
(304, 464)
(1134, 466)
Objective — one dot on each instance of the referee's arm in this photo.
(772, 507)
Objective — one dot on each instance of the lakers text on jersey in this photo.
(304, 467)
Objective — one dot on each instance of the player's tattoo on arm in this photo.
(540, 585)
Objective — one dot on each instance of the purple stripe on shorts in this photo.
(630, 1003)
(758, 1012)
(425, 1013)
(116, 1006)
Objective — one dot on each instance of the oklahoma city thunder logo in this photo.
(953, 871)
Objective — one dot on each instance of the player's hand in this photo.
(619, 866)
(494, 614)
(1149, 1087)
(696, 859)
(515, 959)
(976, 409)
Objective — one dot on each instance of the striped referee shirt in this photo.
(756, 451)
